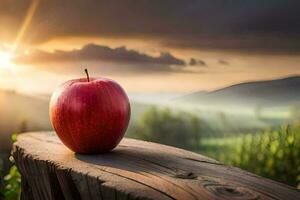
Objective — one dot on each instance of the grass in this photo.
(274, 153)
(220, 148)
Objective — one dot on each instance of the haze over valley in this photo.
(262, 104)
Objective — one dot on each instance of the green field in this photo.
(220, 148)
(274, 154)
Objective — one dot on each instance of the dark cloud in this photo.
(248, 25)
(93, 52)
(194, 61)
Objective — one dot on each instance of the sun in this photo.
(6, 60)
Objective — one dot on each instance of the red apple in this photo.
(90, 115)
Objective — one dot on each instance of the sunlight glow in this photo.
(6, 60)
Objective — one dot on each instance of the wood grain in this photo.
(134, 170)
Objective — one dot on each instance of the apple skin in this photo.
(90, 116)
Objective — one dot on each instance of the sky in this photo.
(147, 45)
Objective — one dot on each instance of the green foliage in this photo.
(166, 127)
(12, 181)
(221, 148)
(14, 137)
(12, 186)
(274, 154)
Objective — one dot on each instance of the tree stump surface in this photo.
(134, 170)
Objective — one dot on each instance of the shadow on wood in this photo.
(134, 170)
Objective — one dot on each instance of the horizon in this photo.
(177, 53)
(167, 92)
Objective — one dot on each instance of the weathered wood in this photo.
(134, 170)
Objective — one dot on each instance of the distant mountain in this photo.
(285, 91)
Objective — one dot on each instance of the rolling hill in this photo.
(21, 113)
(279, 92)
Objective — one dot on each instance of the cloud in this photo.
(194, 61)
(245, 25)
(98, 53)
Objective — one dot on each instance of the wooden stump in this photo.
(134, 170)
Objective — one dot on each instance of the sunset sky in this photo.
(147, 45)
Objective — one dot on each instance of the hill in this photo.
(21, 113)
(279, 92)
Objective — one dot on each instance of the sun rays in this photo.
(27, 20)
(7, 55)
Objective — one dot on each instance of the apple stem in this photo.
(87, 75)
